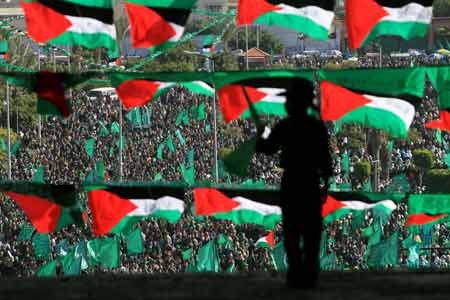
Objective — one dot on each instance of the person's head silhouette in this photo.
(299, 96)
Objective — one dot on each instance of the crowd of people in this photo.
(60, 149)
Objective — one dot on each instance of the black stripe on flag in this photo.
(274, 82)
(401, 3)
(147, 192)
(178, 16)
(325, 4)
(265, 196)
(104, 15)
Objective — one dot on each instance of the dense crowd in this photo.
(60, 150)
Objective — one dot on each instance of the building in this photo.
(10, 8)
(256, 59)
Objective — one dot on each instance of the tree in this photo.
(362, 170)
(267, 41)
(424, 160)
(438, 181)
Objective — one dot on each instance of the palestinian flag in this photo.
(117, 209)
(87, 23)
(339, 205)
(208, 44)
(442, 124)
(4, 50)
(368, 19)
(157, 23)
(428, 209)
(266, 90)
(235, 206)
(311, 17)
(266, 241)
(138, 91)
(45, 215)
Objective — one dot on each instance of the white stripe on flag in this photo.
(146, 207)
(412, 12)
(404, 110)
(318, 15)
(90, 26)
(359, 205)
(273, 95)
(179, 32)
(263, 209)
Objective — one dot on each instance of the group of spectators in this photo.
(60, 150)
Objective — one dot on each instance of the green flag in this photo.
(280, 257)
(135, 117)
(188, 174)
(183, 116)
(390, 146)
(89, 146)
(16, 147)
(413, 258)
(115, 128)
(3, 146)
(71, 264)
(187, 254)
(159, 152)
(41, 245)
(158, 177)
(374, 233)
(239, 160)
(231, 268)
(103, 130)
(100, 167)
(48, 270)
(26, 232)
(104, 251)
(62, 248)
(180, 137)
(170, 145)
(38, 176)
(208, 258)
(384, 253)
(346, 163)
(135, 244)
(439, 138)
(400, 183)
(222, 240)
(329, 262)
(201, 112)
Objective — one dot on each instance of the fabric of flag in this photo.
(208, 44)
(208, 258)
(135, 245)
(115, 128)
(187, 254)
(369, 19)
(392, 115)
(62, 248)
(16, 147)
(169, 143)
(201, 112)
(400, 183)
(38, 176)
(41, 245)
(71, 264)
(135, 117)
(346, 163)
(157, 24)
(117, 209)
(280, 258)
(236, 207)
(329, 262)
(183, 116)
(384, 253)
(3, 50)
(159, 151)
(104, 251)
(47, 270)
(138, 90)
(26, 232)
(89, 146)
(265, 90)
(238, 161)
(426, 209)
(45, 215)
(72, 22)
(374, 233)
(442, 124)
(440, 79)
(338, 205)
(188, 173)
(267, 241)
(311, 17)
(180, 137)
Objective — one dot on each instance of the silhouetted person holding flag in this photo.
(305, 157)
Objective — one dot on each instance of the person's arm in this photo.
(270, 140)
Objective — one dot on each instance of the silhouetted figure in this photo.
(305, 157)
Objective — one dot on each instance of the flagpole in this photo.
(246, 47)
(39, 116)
(121, 142)
(212, 63)
(9, 127)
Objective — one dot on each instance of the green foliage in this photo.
(224, 151)
(174, 60)
(4, 137)
(423, 159)
(362, 169)
(413, 136)
(355, 135)
(437, 181)
(267, 41)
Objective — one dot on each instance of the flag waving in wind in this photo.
(443, 123)
(368, 19)
(311, 17)
(86, 23)
(157, 23)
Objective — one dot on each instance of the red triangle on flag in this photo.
(361, 16)
(422, 219)
(250, 10)
(442, 124)
(211, 201)
(43, 214)
(331, 205)
(338, 101)
(107, 210)
(43, 23)
(50, 87)
(232, 100)
(271, 239)
(148, 28)
(137, 92)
